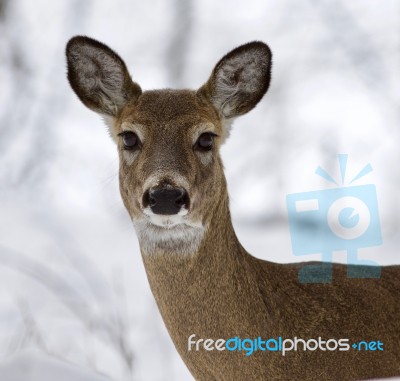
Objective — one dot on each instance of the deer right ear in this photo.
(99, 76)
(239, 80)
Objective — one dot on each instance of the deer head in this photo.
(171, 173)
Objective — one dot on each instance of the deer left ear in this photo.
(239, 80)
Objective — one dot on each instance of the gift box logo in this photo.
(342, 218)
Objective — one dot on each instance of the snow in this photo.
(31, 365)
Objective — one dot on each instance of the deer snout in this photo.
(166, 200)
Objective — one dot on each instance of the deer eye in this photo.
(130, 140)
(205, 141)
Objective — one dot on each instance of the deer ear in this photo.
(99, 76)
(239, 80)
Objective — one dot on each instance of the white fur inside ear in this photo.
(99, 74)
(227, 126)
(109, 121)
(242, 74)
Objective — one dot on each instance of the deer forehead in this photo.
(170, 114)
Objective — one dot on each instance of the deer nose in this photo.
(166, 200)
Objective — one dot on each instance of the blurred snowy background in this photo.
(74, 298)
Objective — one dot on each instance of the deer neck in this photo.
(215, 247)
(201, 292)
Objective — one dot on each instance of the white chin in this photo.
(168, 234)
(167, 222)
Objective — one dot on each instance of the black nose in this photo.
(166, 200)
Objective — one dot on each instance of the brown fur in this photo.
(219, 290)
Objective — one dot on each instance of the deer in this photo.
(207, 287)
